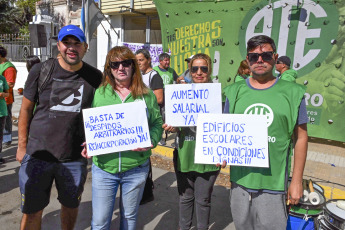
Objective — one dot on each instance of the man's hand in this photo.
(295, 192)
(84, 151)
(25, 117)
(20, 154)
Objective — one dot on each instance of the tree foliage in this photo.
(15, 15)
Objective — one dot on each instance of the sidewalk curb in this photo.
(330, 192)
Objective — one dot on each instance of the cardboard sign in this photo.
(183, 102)
(116, 128)
(239, 139)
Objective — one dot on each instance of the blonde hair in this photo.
(208, 61)
(137, 85)
(243, 65)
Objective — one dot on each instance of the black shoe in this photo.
(6, 145)
(2, 160)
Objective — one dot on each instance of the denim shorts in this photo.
(36, 178)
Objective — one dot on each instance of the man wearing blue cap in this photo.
(50, 137)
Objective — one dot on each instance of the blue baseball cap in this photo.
(71, 30)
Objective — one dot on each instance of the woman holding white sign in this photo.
(122, 83)
(194, 181)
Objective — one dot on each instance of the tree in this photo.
(16, 14)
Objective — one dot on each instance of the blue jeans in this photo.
(8, 126)
(104, 188)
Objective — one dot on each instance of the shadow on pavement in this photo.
(10, 180)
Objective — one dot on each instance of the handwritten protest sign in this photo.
(183, 102)
(116, 128)
(239, 139)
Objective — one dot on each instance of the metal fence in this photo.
(17, 45)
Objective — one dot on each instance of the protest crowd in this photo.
(131, 107)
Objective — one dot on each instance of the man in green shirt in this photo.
(167, 73)
(283, 67)
(169, 76)
(258, 195)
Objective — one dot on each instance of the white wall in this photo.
(22, 74)
(104, 41)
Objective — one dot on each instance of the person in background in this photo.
(51, 132)
(31, 60)
(185, 77)
(150, 77)
(167, 73)
(283, 67)
(258, 196)
(243, 71)
(4, 88)
(194, 181)
(122, 83)
(169, 76)
(153, 81)
(8, 70)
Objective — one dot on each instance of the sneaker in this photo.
(2, 160)
(6, 145)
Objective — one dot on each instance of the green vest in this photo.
(289, 75)
(167, 76)
(6, 65)
(186, 152)
(281, 105)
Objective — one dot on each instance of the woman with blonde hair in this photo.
(194, 181)
(122, 83)
(243, 71)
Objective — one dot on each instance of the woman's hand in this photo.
(223, 165)
(142, 149)
(180, 80)
(169, 128)
(84, 151)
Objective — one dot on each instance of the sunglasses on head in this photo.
(204, 69)
(254, 57)
(116, 64)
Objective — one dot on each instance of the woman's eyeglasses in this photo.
(204, 69)
(266, 56)
(116, 64)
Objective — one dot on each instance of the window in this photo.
(137, 27)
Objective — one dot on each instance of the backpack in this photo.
(45, 75)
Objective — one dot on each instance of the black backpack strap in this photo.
(45, 73)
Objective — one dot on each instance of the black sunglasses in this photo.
(204, 69)
(116, 64)
(254, 57)
(279, 62)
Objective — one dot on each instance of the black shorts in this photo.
(36, 179)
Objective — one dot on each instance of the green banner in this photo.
(311, 33)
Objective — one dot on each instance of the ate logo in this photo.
(261, 109)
